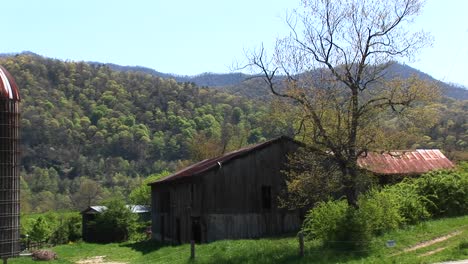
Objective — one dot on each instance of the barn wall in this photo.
(227, 200)
(235, 226)
(237, 185)
(164, 224)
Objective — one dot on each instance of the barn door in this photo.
(196, 229)
(162, 229)
(178, 238)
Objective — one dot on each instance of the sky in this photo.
(189, 37)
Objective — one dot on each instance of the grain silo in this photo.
(9, 166)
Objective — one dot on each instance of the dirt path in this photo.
(98, 260)
(432, 252)
(429, 243)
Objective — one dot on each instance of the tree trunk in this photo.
(349, 182)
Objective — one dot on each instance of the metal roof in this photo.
(208, 164)
(395, 162)
(405, 162)
(8, 87)
(137, 209)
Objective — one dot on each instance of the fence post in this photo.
(5, 260)
(301, 244)
(192, 249)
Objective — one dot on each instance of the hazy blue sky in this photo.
(194, 36)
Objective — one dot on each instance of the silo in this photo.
(9, 166)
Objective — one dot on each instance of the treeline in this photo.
(89, 132)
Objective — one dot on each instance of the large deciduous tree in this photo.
(334, 67)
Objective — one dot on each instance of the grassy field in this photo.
(285, 249)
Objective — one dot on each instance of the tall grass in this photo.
(282, 249)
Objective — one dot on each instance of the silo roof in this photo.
(8, 87)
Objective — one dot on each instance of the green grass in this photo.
(282, 250)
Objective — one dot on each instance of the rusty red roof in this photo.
(405, 162)
(8, 87)
(208, 164)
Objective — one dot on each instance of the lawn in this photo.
(286, 249)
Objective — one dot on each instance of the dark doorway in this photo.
(165, 202)
(196, 229)
(178, 238)
(266, 197)
(162, 229)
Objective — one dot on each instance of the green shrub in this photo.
(446, 192)
(354, 232)
(380, 209)
(341, 226)
(60, 235)
(463, 244)
(40, 230)
(116, 224)
(74, 227)
(323, 220)
(411, 205)
(68, 230)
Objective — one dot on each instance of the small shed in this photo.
(391, 165)
(89, 214)
(232, 196)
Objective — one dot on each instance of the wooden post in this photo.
(192, 249)
(301, 244)
(5, 260)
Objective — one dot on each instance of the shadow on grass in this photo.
(147, 246)
(286, 256)
(258, 251)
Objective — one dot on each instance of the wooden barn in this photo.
(228, 197)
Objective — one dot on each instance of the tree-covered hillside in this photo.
(90, 132)
(83, 122)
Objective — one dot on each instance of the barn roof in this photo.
(8, 87)
(405, 162)
(208, 164)
(137, 209)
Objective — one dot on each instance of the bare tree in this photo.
(334, 62)
(89, 193)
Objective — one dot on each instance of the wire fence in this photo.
(30, 246)
(274, 249)
(286, 249)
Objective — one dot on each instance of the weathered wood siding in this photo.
(235, 226)
(164, 223)
(228, 199)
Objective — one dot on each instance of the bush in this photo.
(40, 230)
(337, 225)
(322, 221)
(411, 205)
(442, 193)
(354, 232)
(116, 224)
(60, 235)
(341, 226)
(67, 229)
(380, 209)
(446, 192)
(74, 227)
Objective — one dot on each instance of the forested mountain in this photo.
(82, 121)
(90, 132)
(247, 85)
(256, 88)
(204, 79)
